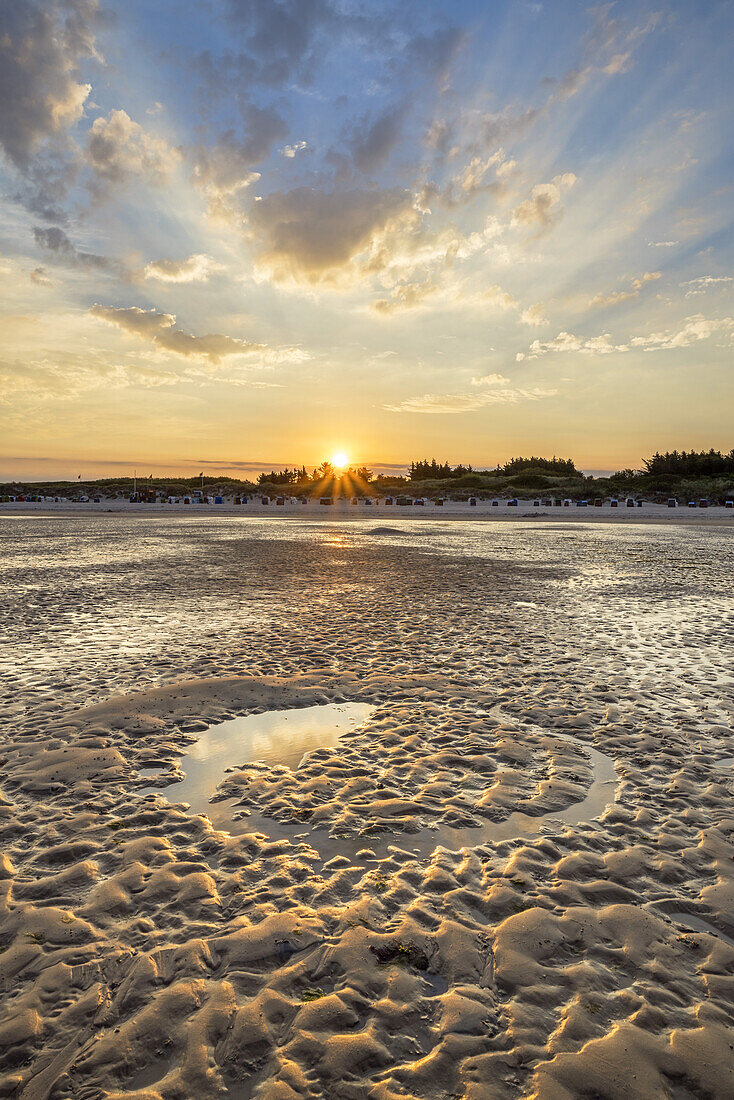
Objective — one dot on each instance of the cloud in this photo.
(159, 328)
(41, 47)
(68, 376)
(567, 342)
(55, 241)
(695, 328)
(264, 127)
(371, 146)
(432, 54)
(490, 380)
(662, 244)
(291, 150)
(499, 299)
(312, 236)
(543, 207)
(40, 277)
(617, 296)
(283, 38)
(534, 315)
(438, 403)
(119, 150)
(456, 294)
(221, 172)
(703, 283)
(281, 42)
(194, 269)
(405, 296)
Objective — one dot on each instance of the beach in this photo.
(508, 872)
(357, 510)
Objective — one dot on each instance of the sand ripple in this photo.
(146, 954)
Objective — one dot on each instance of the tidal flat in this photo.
(509, 872)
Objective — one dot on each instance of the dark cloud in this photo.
(224, 169)
(309, 235)
(55, 241)
(39, 276)
(264, 126)
(159, 328)
(283, 38)
(432, 54)
(371, 145)
(41, 93)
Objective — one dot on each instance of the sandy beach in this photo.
(509, 872)
(346, 511)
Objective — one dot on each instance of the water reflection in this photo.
(281, 737)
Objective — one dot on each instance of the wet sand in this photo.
(514, 877)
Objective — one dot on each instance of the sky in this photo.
(240, 233)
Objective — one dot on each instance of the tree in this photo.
(360, 473)
(709, 463)
(563, 466)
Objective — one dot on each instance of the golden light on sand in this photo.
(339, 460)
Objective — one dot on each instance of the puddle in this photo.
(725, 762)
(285, 737)
(241, 1086)
(698, 924)
(435, 983)
(152, 1074)
(273, 737)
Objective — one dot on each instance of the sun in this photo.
(339, 460)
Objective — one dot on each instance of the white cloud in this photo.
(194, 269)
(617, 296)
(490, 380)
(543, 207)
(119, 149)
(39, 276)
(694, 287)
(291, 150)
(534, 315)
(456, 293)
(695, 328)
(437, 403)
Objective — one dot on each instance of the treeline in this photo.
(323, 473)
(430, 470)
(285, 476)
(563, 466)
(690, 464)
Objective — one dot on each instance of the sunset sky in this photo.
(236, 233)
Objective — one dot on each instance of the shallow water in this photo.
(279, 738)
(267, 738)
(698, 924)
